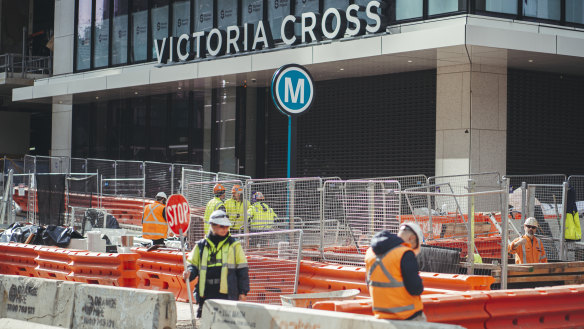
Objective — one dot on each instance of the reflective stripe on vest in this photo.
(153, 224)
(262, 216)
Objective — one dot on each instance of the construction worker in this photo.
(220, 263)
(527, 248)
(394, 283)
(261, 216)
(214, 204)
(154, 224)
(235, 207)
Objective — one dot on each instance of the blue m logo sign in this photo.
(294, 93)
(292, 89)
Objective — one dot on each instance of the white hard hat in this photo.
(161, 195)
(531, 221)
(219, 217)
(417, 231)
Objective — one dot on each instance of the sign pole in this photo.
(182, 247)
(292, 143)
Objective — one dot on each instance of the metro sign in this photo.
(292, 89)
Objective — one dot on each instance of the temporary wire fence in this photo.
(274, 264)
(294, 201)
(475, 236)
(515, 181)
(352, 212)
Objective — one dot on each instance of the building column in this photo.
(471, 119)
(63, 64)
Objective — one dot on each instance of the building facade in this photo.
(433, 87)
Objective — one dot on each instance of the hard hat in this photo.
(219, 217)
(531, 221)
(236, 189)
(417, 231)
(161, 195)
(218, 189)
(257, 196)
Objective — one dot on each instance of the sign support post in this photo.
(292, 91)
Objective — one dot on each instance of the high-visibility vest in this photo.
(154, 225)
(261, 216)
(391, 300)
(530, 252)
(228, 254)
(573, 230)
(213, 204)
(234, 210)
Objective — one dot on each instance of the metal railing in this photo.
(15, 67)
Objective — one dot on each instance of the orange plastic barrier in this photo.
(103, 268)
(162, 270)
(18, 259)
(549, 307)
(457, 282)
(53, 263)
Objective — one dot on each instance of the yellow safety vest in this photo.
(234, 210)
(212, 205)
(261, 216)
(573, 230)
(154, 226)
(232, 253)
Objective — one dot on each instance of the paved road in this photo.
(183, 316)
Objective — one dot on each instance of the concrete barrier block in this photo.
(227, 314)
(99, 306)
(8, 323)
(42, 301)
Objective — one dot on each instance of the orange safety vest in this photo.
(391, 300)
(530, 252)
(154, 226)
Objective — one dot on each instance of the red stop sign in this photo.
(178, 213)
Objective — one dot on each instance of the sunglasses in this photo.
(531, 227)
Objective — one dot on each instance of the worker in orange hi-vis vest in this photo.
(154, 224)
(528, 248)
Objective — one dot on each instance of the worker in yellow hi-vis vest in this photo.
(261, 216)
(214, 204)
(235, 207)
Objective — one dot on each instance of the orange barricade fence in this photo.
(53, 263)
(162, 270)
(320, 277)
(549, 307)
(18, 259)
(104, 268)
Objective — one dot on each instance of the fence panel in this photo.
(229, 176)
(274, 263)
(546, 203)
(295, 201)
(78, 165)
(106, 168)
(46, 164)
(360, 208)
(123, 187)
(516, 180)
(177, 169)
(198, 194)
(129, 169)
(82, 190)
(577, 182)
(158, 178)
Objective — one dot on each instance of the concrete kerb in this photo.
(76, 305)
(42, 301)
(226, 314)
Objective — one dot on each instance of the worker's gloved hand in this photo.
(521, 242)
(186, 275)
(242, 297)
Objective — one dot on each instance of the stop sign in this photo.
(178, 213)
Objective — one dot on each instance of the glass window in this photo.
(408, 9)
(575, 11)
(546, 9)
(277, 10)
(159, 20)
(197, 128)
(362, 14)
(81, 131)
(304, 6)
(136, 127)
(203, 13)
(498, 6)
(101, 30)
(226, 13)
(139, 30)
(179, 128)
(339, 4)
(120, 32)
(84, 34)
(252, 11)
(182, 18)
(158, 129)
(225, 125)
(436, 7)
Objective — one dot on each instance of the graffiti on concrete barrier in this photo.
(18, 293)
(95, 312)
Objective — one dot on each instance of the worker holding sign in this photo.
(220, 263)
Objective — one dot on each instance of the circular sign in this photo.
(178, 213)
(292, 89)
